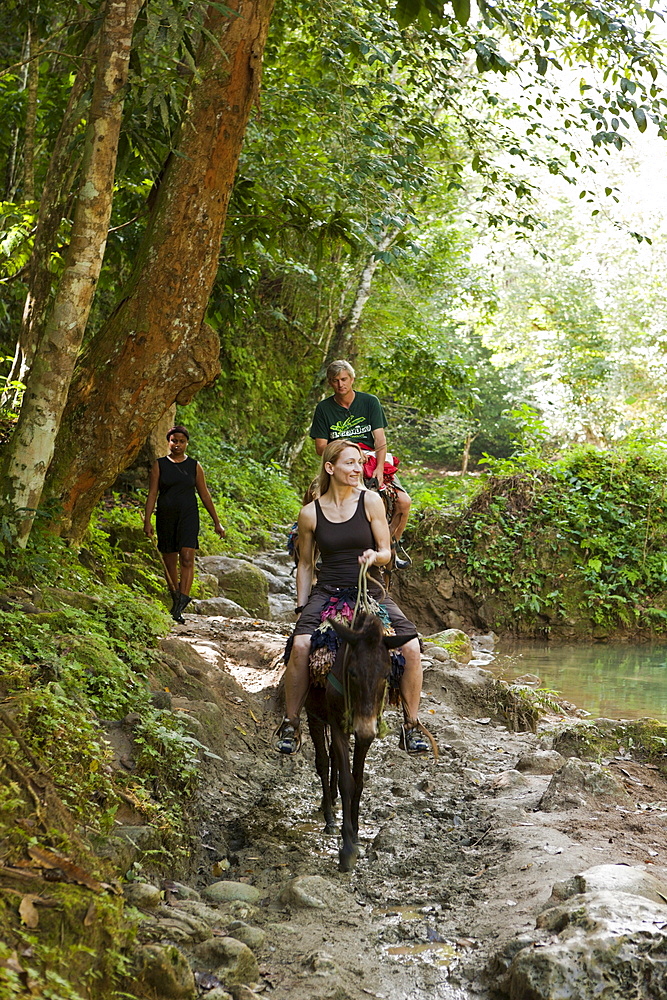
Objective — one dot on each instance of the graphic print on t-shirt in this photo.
(349, 427)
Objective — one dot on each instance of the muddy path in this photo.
(458, 858)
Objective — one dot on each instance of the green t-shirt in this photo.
(332, 421)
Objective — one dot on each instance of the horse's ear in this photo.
(345, 633)
(394, 641)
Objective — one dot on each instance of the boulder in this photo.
(254, 937)
(613, 878)
(312, 892)
(583, 785)
(540, 762)
(207, 586)
(220, 606)
(165, 970)
(241, 582)
(225, 891)
(142, 894)
(601, 944)
(455, 642)
(231, 960)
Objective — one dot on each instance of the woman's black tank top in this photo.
(341, 544)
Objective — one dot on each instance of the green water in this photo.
(614, 681)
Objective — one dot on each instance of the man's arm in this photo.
(320, 445)
(380, 443)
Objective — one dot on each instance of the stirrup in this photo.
(287, 737)
(401, 559)
(412, 739)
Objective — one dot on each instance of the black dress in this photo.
(177, 514)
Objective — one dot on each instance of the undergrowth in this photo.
(581, 536)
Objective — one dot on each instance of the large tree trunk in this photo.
(31, 447)
(156, 349)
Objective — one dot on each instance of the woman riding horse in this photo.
(348, 525)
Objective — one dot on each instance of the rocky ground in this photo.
(501, 869)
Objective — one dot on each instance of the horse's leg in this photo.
(340, 742)
(361, 748)
(317, 731)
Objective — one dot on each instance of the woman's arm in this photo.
(207, 500)
(153, 485)
(375, 512)
(304, 569)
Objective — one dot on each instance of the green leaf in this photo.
(640, 118)
(461, 11)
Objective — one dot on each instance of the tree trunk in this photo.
(31, 447)
(338, 345)
(58, 184)
(31, 115)
(155, 348)
(470, 437)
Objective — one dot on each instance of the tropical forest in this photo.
(444, 221)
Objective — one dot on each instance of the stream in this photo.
(613, 681)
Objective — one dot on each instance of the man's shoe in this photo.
(413, 740)
(401, 559)
(287, 737)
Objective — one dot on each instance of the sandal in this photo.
(287, 737)
(413, 740)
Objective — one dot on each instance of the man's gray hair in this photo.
(336, 367)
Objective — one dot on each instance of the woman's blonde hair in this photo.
(330, 454)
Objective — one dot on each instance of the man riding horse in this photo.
(358, 417)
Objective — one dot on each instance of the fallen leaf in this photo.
(58, 862)
(91, 913)
(28, 911)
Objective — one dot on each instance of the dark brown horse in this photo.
(351, 703)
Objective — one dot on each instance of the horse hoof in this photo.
(346, 862)
(330, 830)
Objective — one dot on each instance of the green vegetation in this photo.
(581, 537)
(644, 740)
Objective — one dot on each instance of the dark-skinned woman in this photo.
(175, 481)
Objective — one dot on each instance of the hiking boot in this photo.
(413, 740)
(287, 737)
(179, 607)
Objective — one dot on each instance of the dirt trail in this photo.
(457, 857)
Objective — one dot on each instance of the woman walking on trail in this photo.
(175, 481)
(349, 527)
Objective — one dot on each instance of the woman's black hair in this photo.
(178, 429)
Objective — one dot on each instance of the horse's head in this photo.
(366, 671)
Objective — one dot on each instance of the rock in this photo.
(603, 944)
(486, 642)
(612, 878)
(508, 782)
(440, 654)
(165, 969)
(142, 894)
(308, 891)
(580, 784)
(182, 927)
(241, 582)
(231, 960)
(254, 937)
(220, 606)
(223, 892)
(321, 962)
(143, 838)
(540, 762)
(241, 910)
(181, 891)
(455, 642)
(528, 680)
(282, 608)
(207, 586)
(116, 850)
(218, 993)
(213, 917)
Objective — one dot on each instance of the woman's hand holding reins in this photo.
(368, 557)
